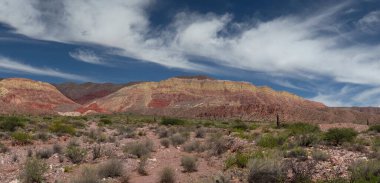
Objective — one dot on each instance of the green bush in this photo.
(266, 170)
(365, 171)
(337, 136)
(271, 141)
(240, 126)
(375, 128)
(111, 168)
(172, 121)
(189, 163)
(61, 128)
(302, 128)
(34, 171)
(75, 154)
(11, 123)
(167, 175)
(22, 137)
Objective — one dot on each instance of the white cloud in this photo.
(87, 56)
(287, 46)
(15, 66)
(370, 23)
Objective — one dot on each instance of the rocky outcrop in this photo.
(24, 96)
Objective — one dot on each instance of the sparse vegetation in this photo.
(60, 127)
(165, 142)
(271, 141)
(320, 155)
(139, 149)
(217, 144)
(266, 170)
(365, 171)
(44, 153)
(34, 171)
(11, 123)
(111, 168)
(75, 153)
(193, 146)
(22, 138)
(178, 139)
(189, 163)
(167, 175)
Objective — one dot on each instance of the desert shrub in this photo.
(165, 142)
(88, 175)
(44, 153)
(22, 137)
(172, 121)
(271, 141)
(3, 148)
(11, 123)
(320, 155)
(365, 171)
(141, 169)
(301, 170)
(178, 139)
(239, 159)
(200, 133)
(266, 170)
(75, 154)
(375, 128)
(167, 175)
(96, 152)
(193, 146)
(60, 127)
(139, 149)
(307, 140)
(337, 136)
(111, 168)
(298, 152)
(302, 128)
(189, 163)
(42, 136)
(163, 132)
(34, 171)
(217, 144)
(57, 148)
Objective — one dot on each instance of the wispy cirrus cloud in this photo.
(87, 56)
(9, 65)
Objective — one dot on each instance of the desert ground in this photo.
(132, 148)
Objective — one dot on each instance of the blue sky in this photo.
(327, 51)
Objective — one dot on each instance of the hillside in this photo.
(24, 96)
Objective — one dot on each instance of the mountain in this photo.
(86, 92)
(24, 96)
(208, 98)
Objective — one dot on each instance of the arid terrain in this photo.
(184, 129)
